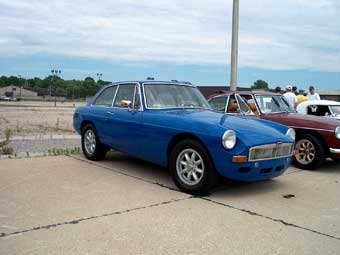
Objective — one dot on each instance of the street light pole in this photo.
(234, 46)
(20, 86)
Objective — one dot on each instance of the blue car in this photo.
(172, 124)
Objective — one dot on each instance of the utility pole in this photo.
(20, 87)
(54, 77)
(234, 46)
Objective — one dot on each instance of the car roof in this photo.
(320, 102)
(155, 82)
(245, 92)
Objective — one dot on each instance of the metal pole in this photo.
(234, 46)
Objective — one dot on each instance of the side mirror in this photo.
(126, 104)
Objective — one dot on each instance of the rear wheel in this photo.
(191, 167)
(310, 152)
(92, 148)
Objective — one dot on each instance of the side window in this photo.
(232, 105)
(106, 97)
(250, 102)
(125, 92)
(137, 103)
(218, 103)
(319, 110)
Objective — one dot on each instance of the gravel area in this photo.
(43, 146)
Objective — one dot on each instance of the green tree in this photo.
(260, 84)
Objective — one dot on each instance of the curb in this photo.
(42, 138)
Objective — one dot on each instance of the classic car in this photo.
(325, 108)
(316, 137)
(171, 124)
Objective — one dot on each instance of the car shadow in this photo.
(329, 166)
(231, 188)
(160, 175)
(138, 168)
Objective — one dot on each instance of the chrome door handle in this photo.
(110, 113)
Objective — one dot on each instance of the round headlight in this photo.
(229, 139)
(291, 133)
(337, 132)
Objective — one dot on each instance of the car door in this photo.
(125, 119)
(101, 109)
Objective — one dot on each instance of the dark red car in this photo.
(317, 138)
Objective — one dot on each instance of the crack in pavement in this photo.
(213, 201)
(205, 198)
(270, 218)
(76, 221)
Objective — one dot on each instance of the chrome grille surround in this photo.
(270, 151)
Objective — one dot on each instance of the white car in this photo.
(324, 108)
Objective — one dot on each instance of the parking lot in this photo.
(68, 205)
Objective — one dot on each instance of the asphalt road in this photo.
(68, 205)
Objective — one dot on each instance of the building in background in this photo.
(30, 94)
(329, 94)
(17, 92)
(211, 90)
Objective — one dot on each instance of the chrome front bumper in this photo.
(335, 151)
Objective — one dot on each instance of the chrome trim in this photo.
(226, 106)
(114, 97)
(273, 145)
(319, 129)
(335, 151)
(140, 96)
(170, 83)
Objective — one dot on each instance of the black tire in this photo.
(99, 151)
(207, 179)
(336, 159)
(318, 148)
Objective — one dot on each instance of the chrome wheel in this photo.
(305, 152)
(90, 141)
(190, 167)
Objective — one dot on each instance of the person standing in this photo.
(301, 97)
(278, 89)
(312, 95)
(290, 97)
(294, 88)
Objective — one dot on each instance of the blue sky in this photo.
(283, 42)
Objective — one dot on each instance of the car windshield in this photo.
(335, 109)
(273, 104)
(174, 96)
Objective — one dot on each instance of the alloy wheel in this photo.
(90, 141)
(190, 167)
(305, 152)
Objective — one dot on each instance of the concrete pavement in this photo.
(68, 205)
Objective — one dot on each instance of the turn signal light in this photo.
(240, 159)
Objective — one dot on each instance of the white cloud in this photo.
(292, 34)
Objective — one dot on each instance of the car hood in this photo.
(252, 131)
(301, 120)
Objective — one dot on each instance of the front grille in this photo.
(271, 151)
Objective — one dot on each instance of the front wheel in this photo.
(92, 148)
(310, 152)
(191, 167)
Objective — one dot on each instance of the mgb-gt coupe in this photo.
(171, 124)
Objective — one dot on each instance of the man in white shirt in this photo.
(290, 97)
(312, 95)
